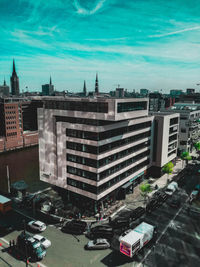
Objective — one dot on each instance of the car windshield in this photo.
(169, 190)
(42, 240)
(39, 250)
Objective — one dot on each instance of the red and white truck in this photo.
(131, 243)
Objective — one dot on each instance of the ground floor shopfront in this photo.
(90, 207)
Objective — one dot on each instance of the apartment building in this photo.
(12, 121)
(94, 146)
(165, 140)
(189, 124)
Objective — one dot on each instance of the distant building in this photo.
(48, 89)
(4, 89)
(190, 91)
(156, 101)
(14, 82)
(144, 92)
(96, 85)
(12, 132)
(176, 92)
(119, 92)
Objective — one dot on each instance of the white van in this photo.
(171, 188)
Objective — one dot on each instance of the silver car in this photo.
(98, 244)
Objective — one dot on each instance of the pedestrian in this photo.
(13, 242)
(10, 243)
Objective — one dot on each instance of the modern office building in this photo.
(14, 82)
(48, 89)
(4, 90)
(94, 146)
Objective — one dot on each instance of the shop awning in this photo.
(125, 186)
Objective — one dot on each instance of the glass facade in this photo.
(107, 147)
(84, 106)
(98, 136)
(131, 106)
(97, 190)
(108, 172)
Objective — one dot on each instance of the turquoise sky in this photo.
(150, 44)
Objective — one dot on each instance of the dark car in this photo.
(174, 203)
(100, 231)
(74, 227)
(160, 196)
(137, 213)
(120, 222)
(30, 247)
(152, 205)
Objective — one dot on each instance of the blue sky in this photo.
(151, 44)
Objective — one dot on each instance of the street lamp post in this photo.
(25, 244)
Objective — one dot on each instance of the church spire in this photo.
(50, 81)
(4, 82)
(96, 84)
(84, 89)
(14, 71)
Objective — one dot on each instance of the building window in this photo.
(131, 106)
(183, 130)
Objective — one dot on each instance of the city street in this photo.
(177, 242)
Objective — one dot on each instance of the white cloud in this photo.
(83, 11)
(175, 32)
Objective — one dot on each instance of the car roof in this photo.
(39, 237)
(39, 223)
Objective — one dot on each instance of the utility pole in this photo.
(8, 178)
(25, 244)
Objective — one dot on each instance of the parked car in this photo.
(120, 222)
(152, 204)
(100, 231)
(28, 246)
(174, 202)
(194, 194)
(171, 188)
(74, 227)
(45, 242)
(37, 226)
(137, 213)
(99, 243)
(160, 196)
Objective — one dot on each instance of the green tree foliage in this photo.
(168, 168)
(197, 146)
(145, 188)
(186, 156)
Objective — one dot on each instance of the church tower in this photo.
(14, 81)
(84, 89)
(97, 85)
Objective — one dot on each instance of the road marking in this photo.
(163, 232)
(41, 264)
(4, 240)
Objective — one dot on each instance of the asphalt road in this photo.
(177, 243)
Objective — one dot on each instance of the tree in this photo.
(185, 156)
(145, 188)
(168, 168)
(197, 147)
